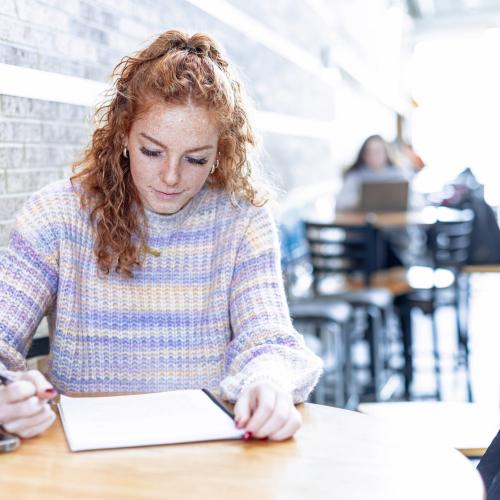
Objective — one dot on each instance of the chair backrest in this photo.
(294, 255)
(39, 347)
(449, 243)
(342, 249)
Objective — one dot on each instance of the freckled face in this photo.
(172, 148)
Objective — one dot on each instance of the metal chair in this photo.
(330, 320)
(39, 347)
(448, 244)
(348, 256)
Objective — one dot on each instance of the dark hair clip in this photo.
(194, 50)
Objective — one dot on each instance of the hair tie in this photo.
(193, 50)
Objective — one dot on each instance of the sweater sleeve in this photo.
(28, 281)
(265, 346)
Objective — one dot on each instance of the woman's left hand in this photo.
(267, 412)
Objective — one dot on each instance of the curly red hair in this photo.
(175, 67)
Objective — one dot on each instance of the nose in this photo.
(170, 172)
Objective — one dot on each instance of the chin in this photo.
(166, 210)
(167, 207)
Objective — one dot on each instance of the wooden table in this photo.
(337, 454)
(467, 427)
(425, 217)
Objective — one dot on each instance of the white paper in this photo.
(146, 419)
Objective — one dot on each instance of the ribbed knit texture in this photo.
(209, 311)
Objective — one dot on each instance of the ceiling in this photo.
(438, 15)
(443, 8)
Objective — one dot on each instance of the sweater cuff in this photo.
(280, 382)
(11, 359)
(262, 369)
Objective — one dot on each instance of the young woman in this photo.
(158, 262)
(373, 164)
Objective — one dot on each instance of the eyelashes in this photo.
(197, 161)
(156, 154)
(148, 152)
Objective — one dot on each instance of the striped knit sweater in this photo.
(209, 311)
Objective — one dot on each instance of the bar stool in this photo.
(438, 285)
(331, 321)
(344, 260)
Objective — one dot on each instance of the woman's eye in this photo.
(197, 161)
(149, 152)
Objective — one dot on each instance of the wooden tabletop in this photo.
(468, 427)
(425, 217)
(337, 454)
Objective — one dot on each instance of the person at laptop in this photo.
(373, 164)
(158, 262)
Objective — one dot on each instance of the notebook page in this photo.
(144, 419)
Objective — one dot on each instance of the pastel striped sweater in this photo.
(209, 311)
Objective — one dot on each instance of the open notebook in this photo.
(92, 423)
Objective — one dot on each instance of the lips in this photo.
(166, 193)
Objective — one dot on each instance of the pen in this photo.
(5, 378)
(247, 435)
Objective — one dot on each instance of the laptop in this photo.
(387, 196)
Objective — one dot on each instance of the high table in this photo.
(426, 217)
(337, 454)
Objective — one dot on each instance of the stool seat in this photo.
(424, 278)
(379, 297)
(321, 309)
(467, 427)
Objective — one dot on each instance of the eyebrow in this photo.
(158, 143)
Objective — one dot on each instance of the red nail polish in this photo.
(50, 391)
(247, 436)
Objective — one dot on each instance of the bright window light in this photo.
(456, 83)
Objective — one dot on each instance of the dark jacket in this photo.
(489, 468)
(485, 237)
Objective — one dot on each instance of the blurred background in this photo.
(322, 77)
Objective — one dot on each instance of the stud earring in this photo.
(125, 152)
(214, 167)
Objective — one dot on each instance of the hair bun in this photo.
(200, 48)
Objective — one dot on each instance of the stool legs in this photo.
(436, 354)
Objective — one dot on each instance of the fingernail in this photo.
(247, 436)
(50, 391)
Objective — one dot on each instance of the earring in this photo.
(125, 152)
(214, 166)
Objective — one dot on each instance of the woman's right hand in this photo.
(24, 410)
